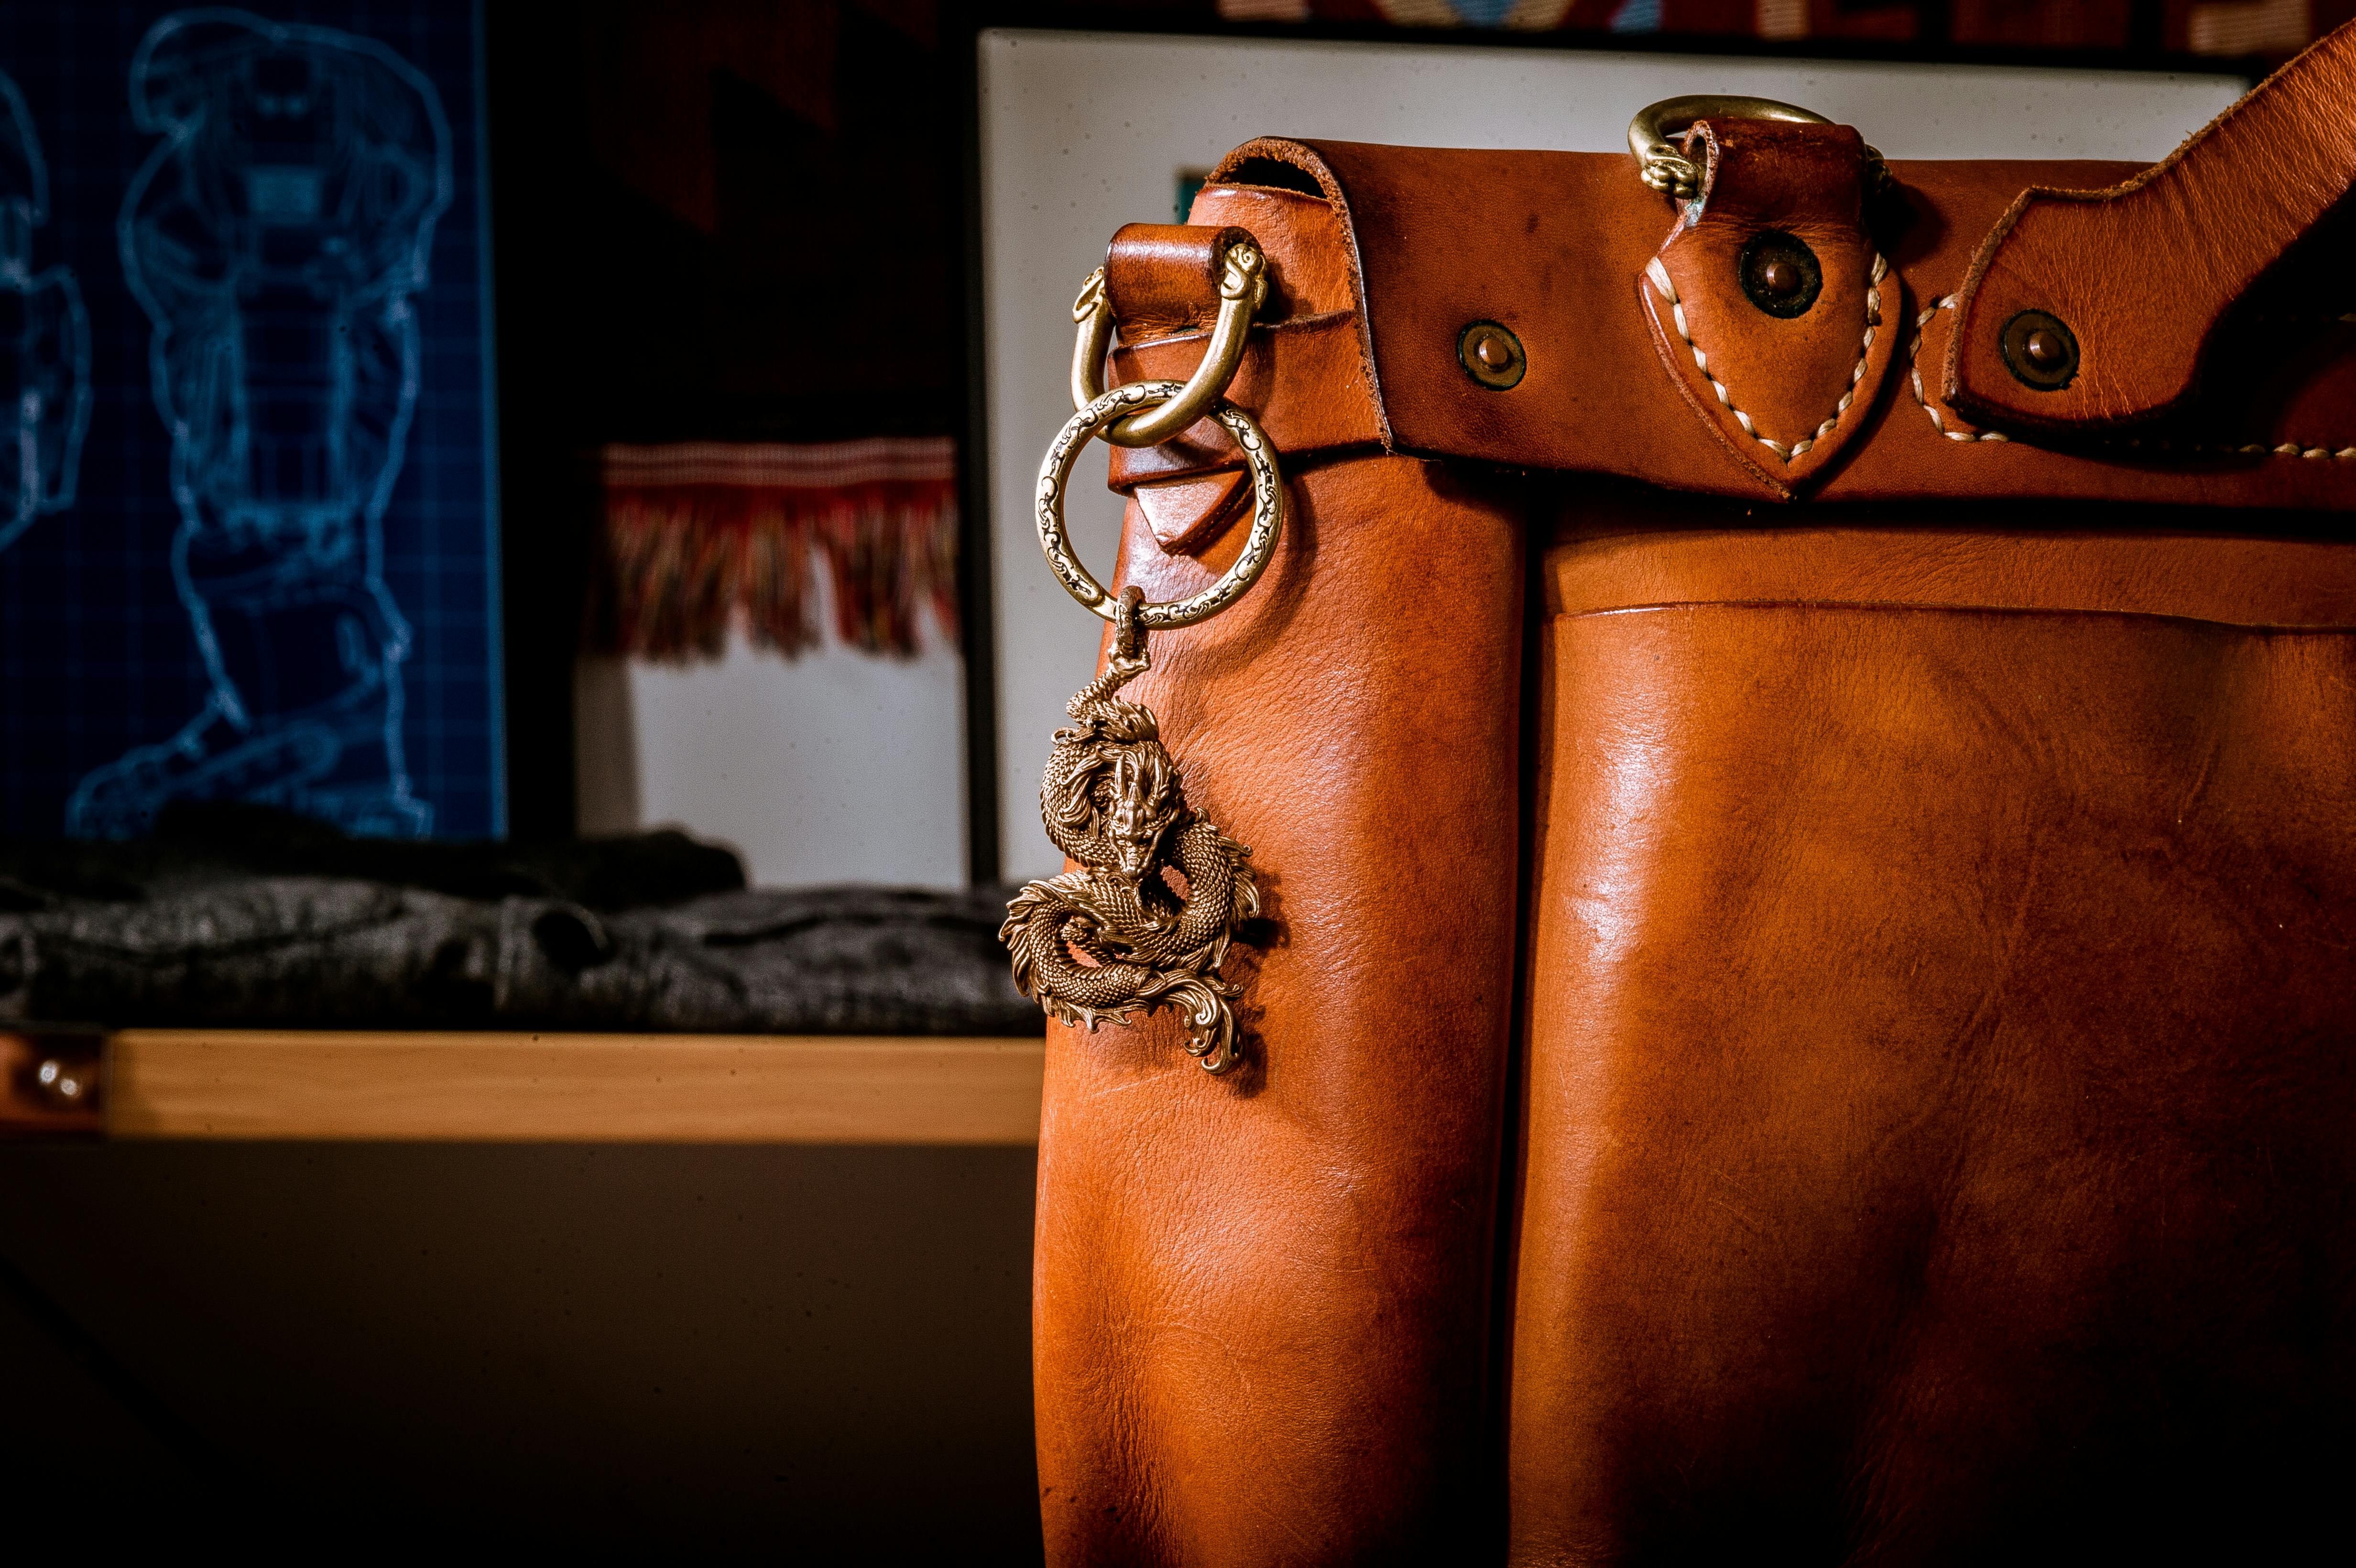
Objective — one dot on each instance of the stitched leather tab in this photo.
(1766, 300)
(1383, 255)
(2142, 274)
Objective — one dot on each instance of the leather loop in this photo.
(1304, 377)
(1164, 277)
(1783, 376)
(2143, 272)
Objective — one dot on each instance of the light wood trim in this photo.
(636, 1088)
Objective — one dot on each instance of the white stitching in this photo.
(1668, 291)
(2254, 449)
(1915, 375)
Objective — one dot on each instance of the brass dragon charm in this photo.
(1121, 934)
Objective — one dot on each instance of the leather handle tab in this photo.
(1164, 277)
(2137, 276)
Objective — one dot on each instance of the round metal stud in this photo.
(1491, 356)
(2040, 351)
(1780, 274)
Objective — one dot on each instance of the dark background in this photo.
(351, 1352)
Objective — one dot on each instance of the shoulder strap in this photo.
(2087, 310)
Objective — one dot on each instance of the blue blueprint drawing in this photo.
(278, 581)
(275, 238)
(44, 339)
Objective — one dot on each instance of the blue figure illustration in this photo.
(275, 239)
(43, 340)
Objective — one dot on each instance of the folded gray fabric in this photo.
(329, 953)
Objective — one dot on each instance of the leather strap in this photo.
(1383, 257)
(1168, 275)
(2143, 274)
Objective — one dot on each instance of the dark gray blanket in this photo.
(195, 936)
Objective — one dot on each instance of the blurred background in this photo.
(674, 474)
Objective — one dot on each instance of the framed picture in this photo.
(250, 550)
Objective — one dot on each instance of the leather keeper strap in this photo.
(1304, 378)
(1304, 375)
(1164, 277)
(2141, 275)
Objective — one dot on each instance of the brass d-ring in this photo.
(1670, 171)
(1243, 289)
(1098, 419)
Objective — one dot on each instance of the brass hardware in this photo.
(1670, 171)
(1146, 919)
(1780, 274)
(1491, 356)
(1121, 935)
(2040, 351)
(1243, 289)
(1096, 418)
(1092, 314)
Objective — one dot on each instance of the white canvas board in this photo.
(837, 766)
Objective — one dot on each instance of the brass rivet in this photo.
(2040, 351)
(1780, 274)
(1491, 356)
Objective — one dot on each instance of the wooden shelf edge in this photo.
(268, 1085)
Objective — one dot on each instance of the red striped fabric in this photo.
(698, 537)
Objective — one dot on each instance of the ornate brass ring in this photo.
(1098, 419)
(1243, 288)
(1670, 171)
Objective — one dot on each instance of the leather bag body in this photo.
(1805, 1010)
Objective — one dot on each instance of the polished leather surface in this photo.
(1263, 1301)
(1170, 276)
(1563, 239)
(1938, 1071)
(1623, 546)
(2115, 266)
(1930, 1032)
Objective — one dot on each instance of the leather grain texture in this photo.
(1170, 276)
(1563, 243)
(1912, 1128)
(1262, 1301)
(1938, 1074)
(2145, 272)
(1783, 394)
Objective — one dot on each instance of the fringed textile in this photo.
(698, 533)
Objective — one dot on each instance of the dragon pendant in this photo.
(1123, 935)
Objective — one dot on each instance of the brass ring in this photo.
(1096, 418)
(1670, 171)
(1243, 289)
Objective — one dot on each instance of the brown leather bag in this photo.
(1800, 746)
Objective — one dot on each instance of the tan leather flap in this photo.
(1648, 350)
(2155, 293)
